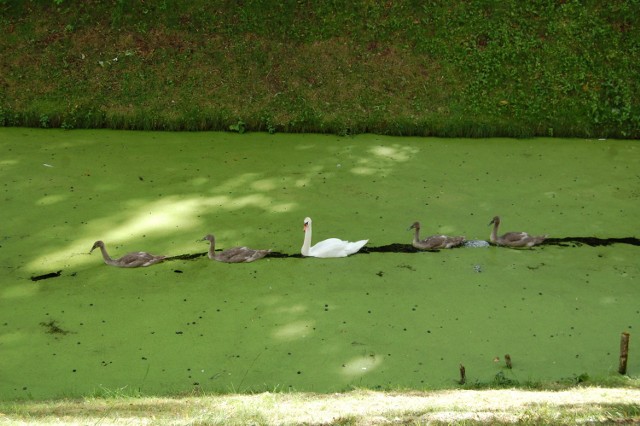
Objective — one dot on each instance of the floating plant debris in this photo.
(53, 328)
(476, 243)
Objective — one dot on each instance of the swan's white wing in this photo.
(331, 247)
(355, 247)
(335, 247)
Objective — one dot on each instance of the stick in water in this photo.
(624, 353)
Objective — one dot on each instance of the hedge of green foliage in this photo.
(446, 68)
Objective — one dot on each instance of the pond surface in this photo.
(375, 320)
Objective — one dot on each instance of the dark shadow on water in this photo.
(408, 248)
(46, 276)
(591, 241)
(188, 256)
(390, 248)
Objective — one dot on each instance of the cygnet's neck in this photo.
(416, 234)
(107, 259)
(212, 248)
(494, 232)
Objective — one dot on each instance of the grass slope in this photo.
(482, 68)
(573, 406)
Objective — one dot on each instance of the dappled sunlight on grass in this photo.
(199, 181)
(291, 310)
(7, 339)
(297, 329)
(241, 182)
(52, 199)
(17, 292)
(362, 170)
(576, 405)
(153, 218)
(609, 300)
(257, 200)
(395, 152)
(361, 365)
(4, 163)
(265, 184)
(382, 159)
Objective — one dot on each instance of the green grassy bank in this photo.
(593, 406)
(470, 69)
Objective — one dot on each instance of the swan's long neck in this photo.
(306, 245)
(212, 249)
(107, 259)
(494, 232)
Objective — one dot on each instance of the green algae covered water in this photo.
(375, 320)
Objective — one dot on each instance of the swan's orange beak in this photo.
(304, 228)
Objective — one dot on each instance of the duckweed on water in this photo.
(378, 319)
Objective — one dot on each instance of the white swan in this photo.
(333, 247)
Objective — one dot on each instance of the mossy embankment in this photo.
(482, 68)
